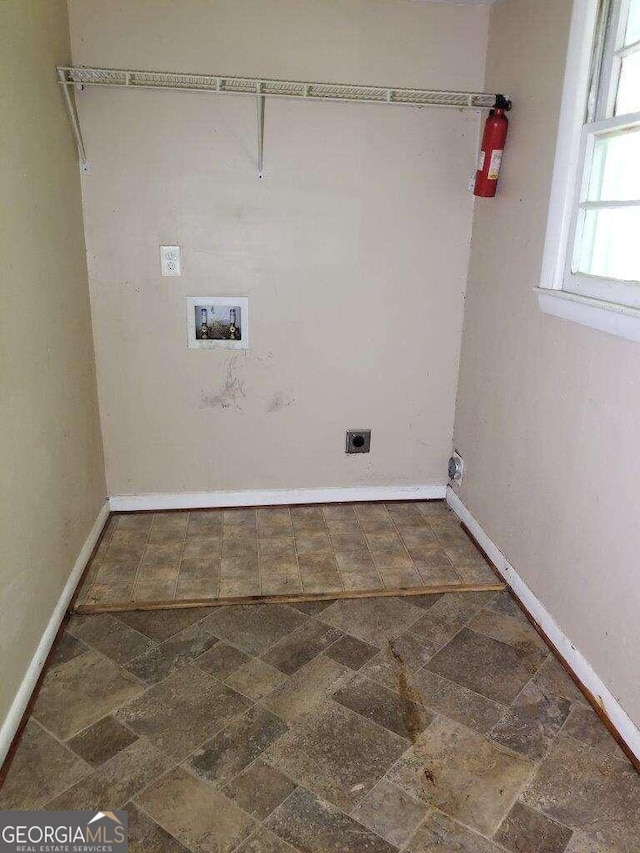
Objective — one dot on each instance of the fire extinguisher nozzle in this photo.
(502, 103)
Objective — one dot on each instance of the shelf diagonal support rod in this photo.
(69, 102)
(260, 120)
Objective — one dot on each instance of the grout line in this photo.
(184, 542)
(135, 577)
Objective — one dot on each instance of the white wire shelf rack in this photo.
(76, 77)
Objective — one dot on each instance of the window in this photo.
(592, 253)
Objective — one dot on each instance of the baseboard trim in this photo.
(271, 497)
(12, 721)
(605, 701)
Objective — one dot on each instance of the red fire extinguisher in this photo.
(490, 160)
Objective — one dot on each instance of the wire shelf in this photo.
(77, 76)
(71, 78)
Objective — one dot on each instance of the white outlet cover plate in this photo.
(170, 261)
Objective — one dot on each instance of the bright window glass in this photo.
(610, 249)
(615, 167)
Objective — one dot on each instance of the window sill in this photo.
(620, 320)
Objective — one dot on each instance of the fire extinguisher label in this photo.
(494, 165)
(481, 161)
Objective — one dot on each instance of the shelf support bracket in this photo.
(260, 119)
(69, 102)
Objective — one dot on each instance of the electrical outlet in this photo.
(456, 469)
(358, 441)
(170, 260)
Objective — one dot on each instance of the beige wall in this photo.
(51, 468)
(548, 413)
(353, 250)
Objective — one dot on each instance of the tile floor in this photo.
(220, 554)
(436, 724)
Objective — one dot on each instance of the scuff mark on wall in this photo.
(231, 392)
(278, 402)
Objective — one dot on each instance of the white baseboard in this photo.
(18, 706)
(270, 497)
(578, 664)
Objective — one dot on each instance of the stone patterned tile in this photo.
(259, 789)
(392, 560)
(349, 540)
(238, 745)
(517, 633)
(393, 666)
(337, 754)
(309, 824)
(581, 843)
(456, 702)
(301, 646)
(440, 834)
(256, 680)
(182, 711)
(354, 561)
(351, 652)
(116, 573)
(590, 791)
(426, 601)
(307, 517)
(164, 658)
(553, 680)
(26, 785)
(240, 517)
(524, 830)
(374, 620)
(146, 835)
(101, 741)
(239, 544)
(199, 816)
(109, 593)
(245, 587)
(583, 724)
(108, 635)
(496, 670)
(196, 588)
(312, 541)
(67, 648)
(339, 512)
(239, 567)
(264, 841)
(390, 812)
(276, 546)
(402, 578)
(205, 520)
(306, 689)
(256, 628)
(117, 780)
(532, 722)
(80, 692)
(155, 590)
(463, 774)
(203, 546)
(311, 608)
(397, 712)
(221, 660)
(134, 521)
(405, 514)
(447, 616)
(505, 603)
(358, 581)
(161, 624)
(419, 537)
(434, 508)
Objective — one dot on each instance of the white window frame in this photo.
(606, 304)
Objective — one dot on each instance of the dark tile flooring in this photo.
(426, 724)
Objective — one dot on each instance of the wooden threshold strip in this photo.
(434, 589)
